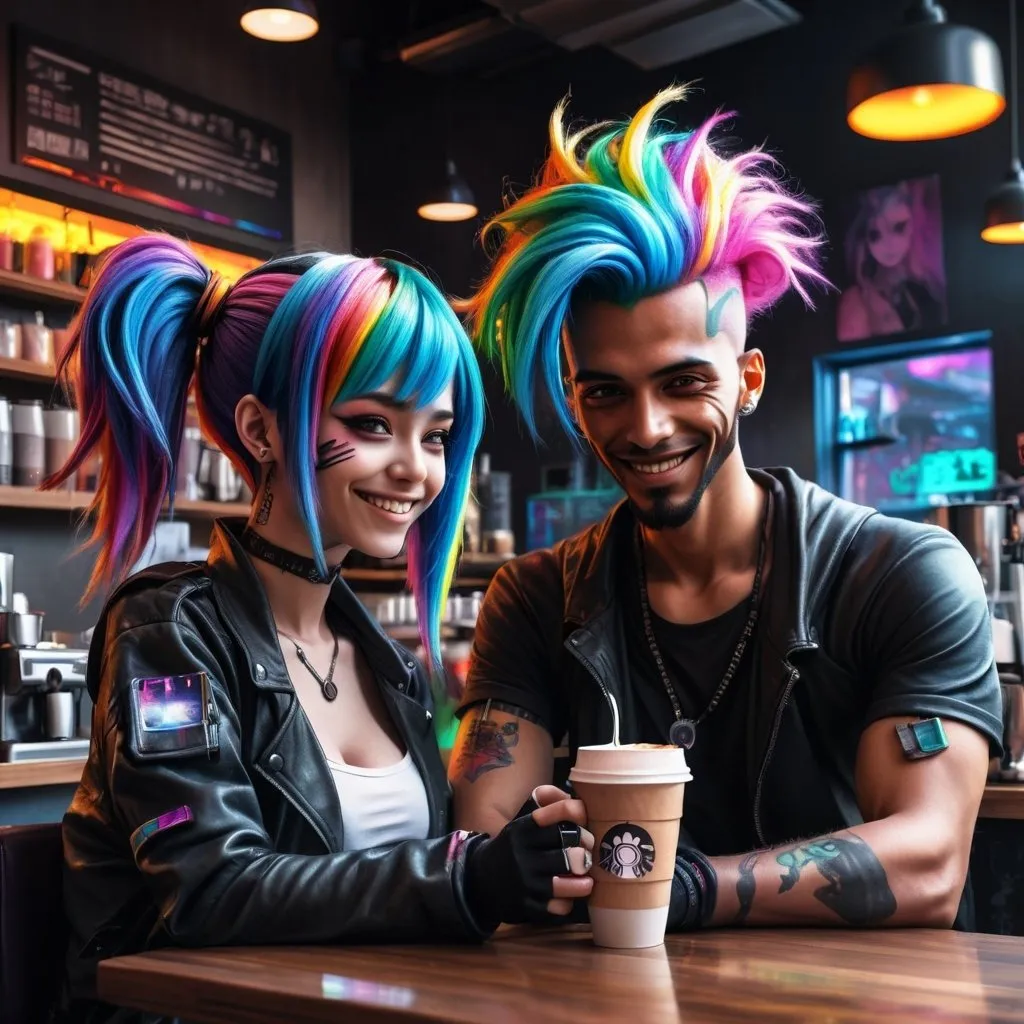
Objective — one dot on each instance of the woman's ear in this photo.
(257, 428)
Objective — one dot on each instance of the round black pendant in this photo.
(683, 732)
(330, 690)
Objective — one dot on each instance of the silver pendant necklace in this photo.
(327, 687)
(683, 731)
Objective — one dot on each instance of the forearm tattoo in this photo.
(488, 746)
(746, 886)
(263, 515)
(857, 890)
(331, 452)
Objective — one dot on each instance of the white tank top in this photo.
(381, 805)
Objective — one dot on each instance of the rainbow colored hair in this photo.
(643, 210)
(300, 333)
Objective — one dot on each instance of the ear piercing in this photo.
(263, 451)
(748, 406)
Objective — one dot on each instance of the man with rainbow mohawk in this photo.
(829, 669)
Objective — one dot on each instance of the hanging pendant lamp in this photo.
(281, 21)
(452, 200)
(1004, 208)
(928, 80)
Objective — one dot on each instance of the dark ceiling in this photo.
(380, 25)
(369, 33)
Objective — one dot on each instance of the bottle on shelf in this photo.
(39, 255)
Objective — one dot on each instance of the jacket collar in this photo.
(239, 590)
(591, 560)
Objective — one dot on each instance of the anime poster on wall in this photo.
(895, 276)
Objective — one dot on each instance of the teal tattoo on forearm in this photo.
(857, 890)
(746, 886)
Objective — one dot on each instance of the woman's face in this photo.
(889, 233)
(380, 463)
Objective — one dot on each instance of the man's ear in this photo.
(752, 374)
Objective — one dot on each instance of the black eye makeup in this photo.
(373, 425)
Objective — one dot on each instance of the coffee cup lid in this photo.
(627, 765)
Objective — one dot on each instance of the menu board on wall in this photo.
(89, 119)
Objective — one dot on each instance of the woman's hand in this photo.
(535, 867)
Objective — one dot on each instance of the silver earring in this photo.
(748, 406)
(263, 452)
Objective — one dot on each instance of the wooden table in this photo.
(558, 976)
(1003, 800)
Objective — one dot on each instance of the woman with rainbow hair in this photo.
(829, 669)
(263, 765)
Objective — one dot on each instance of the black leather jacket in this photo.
(866, 617)
(258, 858)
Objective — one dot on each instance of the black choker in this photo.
(298, 565)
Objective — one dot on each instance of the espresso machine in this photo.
(991, 533)
(45, 709)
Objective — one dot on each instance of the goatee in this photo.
(662, 514)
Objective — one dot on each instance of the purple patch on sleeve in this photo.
(458, 841)
(179, 816)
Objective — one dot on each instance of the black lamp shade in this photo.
(928, 80)
(451, 200)
(281, 21)
(1004, 210)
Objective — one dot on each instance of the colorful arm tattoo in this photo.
(857, 890)
(488, 746)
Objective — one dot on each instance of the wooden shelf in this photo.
(71, 501)
(1003, 800)
(23, 774)
(213, 509)
(24, 369)
(26, 286)
(360, 575)
(53, 501)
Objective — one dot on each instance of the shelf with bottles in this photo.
(48, 250)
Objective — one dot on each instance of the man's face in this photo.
(656, 389)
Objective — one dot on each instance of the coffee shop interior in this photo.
(398, 127)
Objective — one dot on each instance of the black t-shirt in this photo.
(717, 811)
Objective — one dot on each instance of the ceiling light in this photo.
(928, 80)
(281, 21)
(452, 201)
(1004, 208)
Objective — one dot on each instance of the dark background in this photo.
(353, 108)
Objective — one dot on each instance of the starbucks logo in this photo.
(627, 851)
